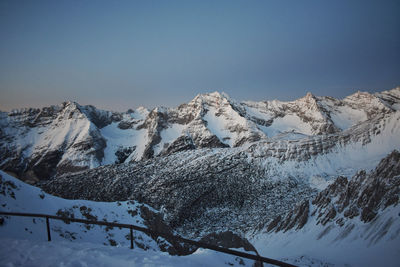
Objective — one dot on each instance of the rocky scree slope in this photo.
(41, 143)
(194, 190)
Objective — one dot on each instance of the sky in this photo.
(124, 54)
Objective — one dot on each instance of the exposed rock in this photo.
(123, 153)
(44, 166)
(228, 239)
(298, 217)
(181, 144)
(155, 222)
(124, 125)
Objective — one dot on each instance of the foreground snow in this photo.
(23, 240)
(14, 252)
(19, 252)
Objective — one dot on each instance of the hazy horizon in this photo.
(125, 54)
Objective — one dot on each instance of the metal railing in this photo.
(150, 232)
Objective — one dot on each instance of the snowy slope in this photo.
(23, 239)
(20, 197)
(117, 139)
(353, 221)
(16, 252)
(351, 246)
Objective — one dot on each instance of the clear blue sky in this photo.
(122, 54)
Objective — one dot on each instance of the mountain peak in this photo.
(308, 100)
(215, 94)
(359, 94)
(309, 95)
(70, 103)
(214, 98)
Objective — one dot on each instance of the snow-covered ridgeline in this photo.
(59, 139)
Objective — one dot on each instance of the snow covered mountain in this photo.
(245, 186)
(315, 170)
(40, 143)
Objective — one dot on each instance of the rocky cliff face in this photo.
(364, 196)
(40, 143)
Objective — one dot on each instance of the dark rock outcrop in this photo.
(228, 239)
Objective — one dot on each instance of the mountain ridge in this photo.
(60, 139)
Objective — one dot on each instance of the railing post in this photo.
(131, 237)
(48, 229)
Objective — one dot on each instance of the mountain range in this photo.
(37, 144)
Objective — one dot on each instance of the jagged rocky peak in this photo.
(389, 167)
(38, 144)
(70, 103)
(200, 104)
(306, 116)
(309, 99)
(311, 102)
(395, 93)
(215, 98)
(309, 108)
(367, 102)
(68, 110)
